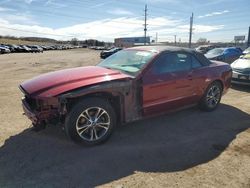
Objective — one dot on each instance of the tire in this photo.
(91, 121)
(212, 97)
(38, 127)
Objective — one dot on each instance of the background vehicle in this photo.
(20, 49)
(4, 50)
(107, 53)
(10, 47)
(131, 84)
(246, 51)
(241, 70)
(227, 55)
(205, 48)
(36, 49)
(25, 48)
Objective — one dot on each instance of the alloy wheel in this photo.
(213, 96)
(93, 123)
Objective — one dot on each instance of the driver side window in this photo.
(172, 62)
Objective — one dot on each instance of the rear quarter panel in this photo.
(204, 76)
(223, 72)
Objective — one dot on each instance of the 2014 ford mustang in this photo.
(132, 84)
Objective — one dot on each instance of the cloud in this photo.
(107, 29)
(20, 18)
(160, 1)
(214, 14)
(54, 4)
(157, 22)
(3, 9)
(28, 1)
(3, 22)
(101, 4)
(119, 11)
(201, 28)
(4, 1)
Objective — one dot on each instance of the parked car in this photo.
(227, 55)
(241, 70)
(35, 49)
(25, 48)
(132, 84)
(4, 50)
(107, 53)
(246, 51)
(205, 48)
(9, 46)
(241, 51)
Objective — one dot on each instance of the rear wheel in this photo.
(91, 121)
(212, 97)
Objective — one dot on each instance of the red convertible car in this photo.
(132, 84)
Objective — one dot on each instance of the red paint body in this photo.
(55, 83)
(50, 95)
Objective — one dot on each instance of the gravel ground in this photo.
(189, 148)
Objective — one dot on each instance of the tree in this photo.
(74, 41)
(202, 41)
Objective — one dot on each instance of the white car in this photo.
(241, 70)
(246, 51)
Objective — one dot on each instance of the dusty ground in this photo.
(185, 149)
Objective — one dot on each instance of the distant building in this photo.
(131, 41)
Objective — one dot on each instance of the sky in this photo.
(215, 20)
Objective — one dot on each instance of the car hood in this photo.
(55, 83)
(241, 64)
(246, 51)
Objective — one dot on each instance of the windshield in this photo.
(216, 51)
(129, 61)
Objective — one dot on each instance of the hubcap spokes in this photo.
(213, 96)
(93, 123)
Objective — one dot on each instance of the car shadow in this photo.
(169, 143)
(244, 88)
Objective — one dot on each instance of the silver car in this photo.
(4, 50)
(241, 70)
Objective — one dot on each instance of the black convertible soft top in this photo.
(163, 49)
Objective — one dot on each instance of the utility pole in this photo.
(191, 30)
(145, 24)
(175, 40)
(248, 41)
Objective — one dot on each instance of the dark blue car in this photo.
(227, 55)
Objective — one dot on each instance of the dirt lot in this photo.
(185, 149)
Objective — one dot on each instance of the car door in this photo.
(200, 77)
(167, 84)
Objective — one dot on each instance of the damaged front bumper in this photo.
(38, 117)
(29, 113)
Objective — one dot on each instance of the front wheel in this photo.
(212, 97)
(91, 121)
